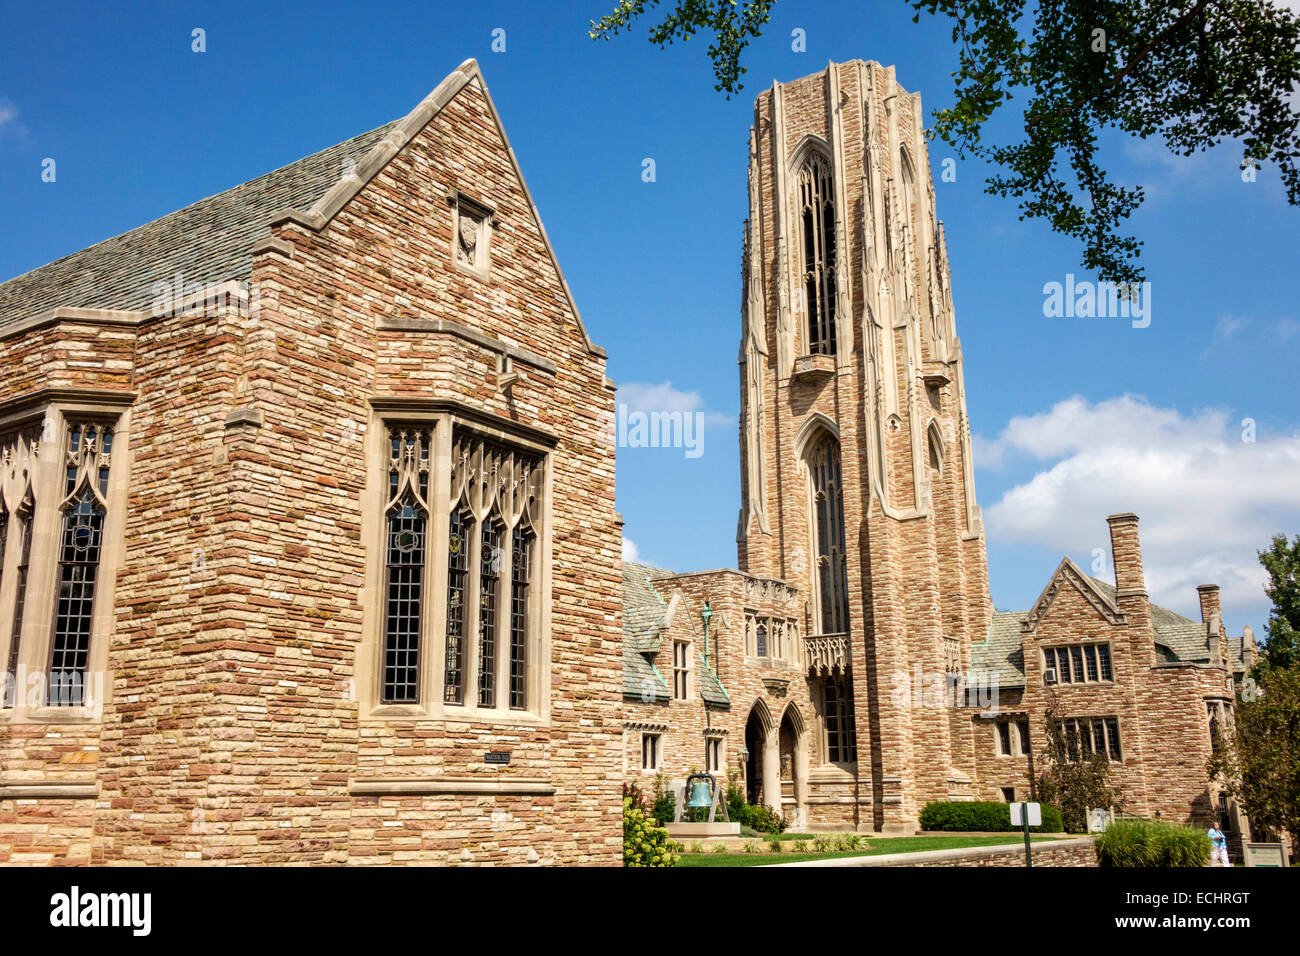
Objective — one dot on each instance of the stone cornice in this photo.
(40, 398)
(422, 786)
(48, 789)
(78, 316)
(505, 427)
(446, 326)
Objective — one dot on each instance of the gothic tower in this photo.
(855, 446)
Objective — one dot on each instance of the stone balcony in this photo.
(826, 654)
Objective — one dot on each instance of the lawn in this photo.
(874, 847)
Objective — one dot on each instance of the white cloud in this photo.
(8, 113)
(630, 552)
(1208, 501)
(663, 397)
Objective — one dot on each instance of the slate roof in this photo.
(207, 242)
(643, 619)
(1001, 652)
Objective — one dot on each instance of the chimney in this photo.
(1249, 650)
(1209, 594)
(1130, 587)
(1212, 616)
(1126, 552)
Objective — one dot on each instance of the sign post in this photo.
(1027, 815)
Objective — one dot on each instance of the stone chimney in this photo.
(1209, 594)
(1130, 586)
(1212, 617)
(1249, 650)
(1126, 552)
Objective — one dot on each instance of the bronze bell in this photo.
(701, 795)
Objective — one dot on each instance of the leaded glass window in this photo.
(489, 579)
(817, 218)
(406, 554)
(837, 713)
(828, 501)
(496, 493)
(457, 572)
(23, 546)
(521, 568)
(86, 470)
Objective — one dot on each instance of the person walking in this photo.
(1218, 845)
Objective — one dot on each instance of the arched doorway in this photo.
(793, 750)
(755, 742)
(762, 761)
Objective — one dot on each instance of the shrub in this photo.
(719, 848)
(645, 844)
(799, 846)
(697, 847)
(982, 816)
(752, 846)
(823, 845)
(767, 820)
(774, 843)
(664, 808)
(634, 793)
(1151, 843)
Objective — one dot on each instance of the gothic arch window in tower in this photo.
(828, 514)
(817, 224)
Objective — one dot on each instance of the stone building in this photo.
(828, 667)
(308, 533)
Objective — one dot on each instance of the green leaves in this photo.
(1194, 74)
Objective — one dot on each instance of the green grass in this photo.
(874, 847)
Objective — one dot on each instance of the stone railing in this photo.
(826, 653)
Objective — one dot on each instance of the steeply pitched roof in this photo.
(644, 615)
(1002, 652)
(213, 239)
(207, 242)
(1177, 638)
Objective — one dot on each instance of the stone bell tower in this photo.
(855, 446)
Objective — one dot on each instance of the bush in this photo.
(645, 844)
(757, 819)
(1151, 843)
(975, 816)
(664, 808)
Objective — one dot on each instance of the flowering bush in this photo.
(645, 844)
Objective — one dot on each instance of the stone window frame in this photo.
(845, 719)
(444, 419)
(1016, 728)
(818, 441)
(486, 216)
(1112, 738)
(652, 760)
(715, 740)
(780, 636)
(1082, 647)
(1219, 716)
(51, 420)
(806, 185)
(682, 671)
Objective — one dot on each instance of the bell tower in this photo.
(856, 483)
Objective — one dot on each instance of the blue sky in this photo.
(1075, 418)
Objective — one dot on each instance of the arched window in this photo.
(90, 448)
(935, 442)
(406, 554)
(495, 501)
(817, 220)
(828, 513)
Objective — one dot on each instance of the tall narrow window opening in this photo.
(828, 501)
(817, 217)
